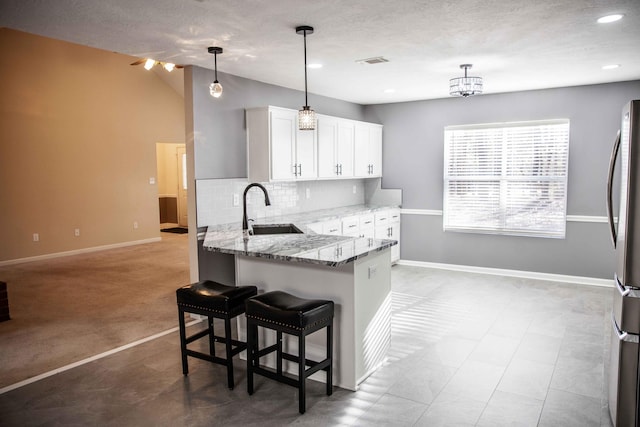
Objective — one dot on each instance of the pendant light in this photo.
(306, 116)
(215, 88)
(465, 86)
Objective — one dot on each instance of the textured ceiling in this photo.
(512, 44)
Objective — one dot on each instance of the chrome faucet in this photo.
(267, 202)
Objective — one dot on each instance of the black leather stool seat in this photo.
(286, 313)
(213, 296)
(213, 300)
(288, 310)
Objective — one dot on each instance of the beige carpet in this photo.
(67, 309)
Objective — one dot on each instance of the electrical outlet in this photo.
(135, 225)
(373, 270)
(152, 180)
(76, 232)
(308, 193)
(236, 199)
(36, 237)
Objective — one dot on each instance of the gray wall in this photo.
(413, 161)
(219, 124)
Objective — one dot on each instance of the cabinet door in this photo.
(368, 150)
(394, 234)
(327, 138)
(283, 137)
(361, 156)
(344, 148)
(375, 150)
(305, 155)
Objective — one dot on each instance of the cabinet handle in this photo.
(295, 170)
(340, 168)
(300, 169)
(337, 169)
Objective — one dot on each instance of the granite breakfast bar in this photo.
(353, 272)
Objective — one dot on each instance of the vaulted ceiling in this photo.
(513, 44)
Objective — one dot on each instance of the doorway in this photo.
(172, 185)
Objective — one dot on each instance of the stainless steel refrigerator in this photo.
(624, 374)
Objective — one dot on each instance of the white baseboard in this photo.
(590, 281)
(79, 251)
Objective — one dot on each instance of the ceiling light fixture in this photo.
(150, 63)
(215, 88)
(306, 116)
(314, 66)
(610, 18)
(465, 86)
(610, 66)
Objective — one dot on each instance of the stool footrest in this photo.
(276, 377)
(197, 336)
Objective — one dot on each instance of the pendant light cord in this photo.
(215, 62)
(306, 102)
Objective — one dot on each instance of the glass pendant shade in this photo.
(215, 89)
(465, 86)
(149, 63)
(169, 66)
(306, 118)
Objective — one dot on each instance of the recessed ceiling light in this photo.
(314, 66)
(389, 91)
(610, 66)
(610, 18)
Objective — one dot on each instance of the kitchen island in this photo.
(353, 272)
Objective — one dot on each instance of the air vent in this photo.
(371, 61)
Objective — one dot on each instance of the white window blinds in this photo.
(507, 178)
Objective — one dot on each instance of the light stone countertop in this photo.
(309, 247)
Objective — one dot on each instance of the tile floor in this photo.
(467, 349)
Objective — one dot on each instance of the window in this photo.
(507, 178)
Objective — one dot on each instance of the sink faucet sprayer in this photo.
(267, 202)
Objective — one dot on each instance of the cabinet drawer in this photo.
(350, 225)
(394, 215)
(366, 221)
(382, 218)
(332, 227)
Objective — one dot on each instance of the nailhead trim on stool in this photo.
(212, 299)
(295, 316)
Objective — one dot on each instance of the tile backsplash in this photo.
(215, 198)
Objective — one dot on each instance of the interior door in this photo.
(182, 186)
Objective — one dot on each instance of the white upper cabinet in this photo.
(276, 149)
(368, 150)
(337, 149)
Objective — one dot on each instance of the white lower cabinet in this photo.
(387, 226)
(383, 224)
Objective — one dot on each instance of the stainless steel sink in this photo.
(275, 229)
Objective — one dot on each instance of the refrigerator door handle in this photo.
(621, 335)
(624, 291)
(612, 167)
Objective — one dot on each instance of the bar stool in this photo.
(212, 299)
(295, 316)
